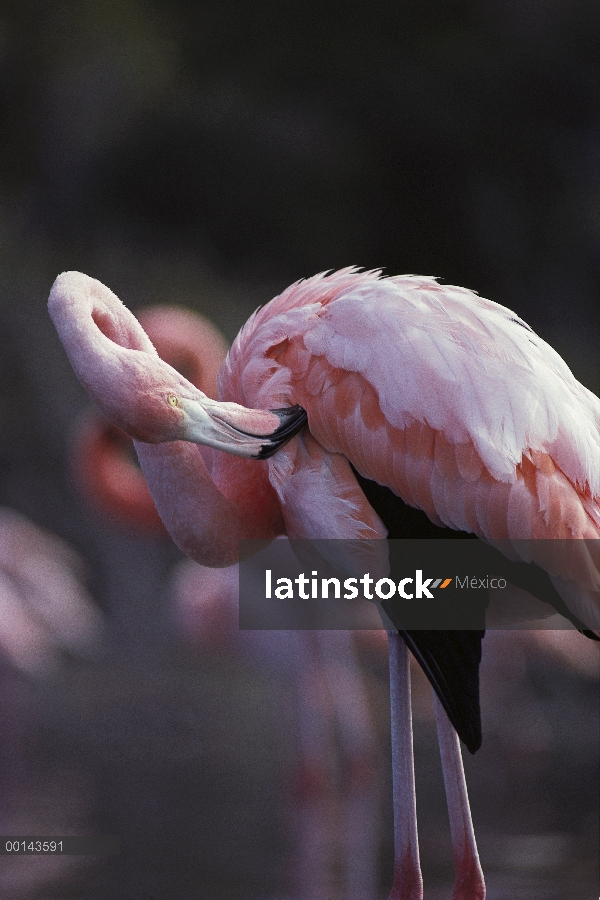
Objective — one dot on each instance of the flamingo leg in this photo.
(408, 882)
(469, 884)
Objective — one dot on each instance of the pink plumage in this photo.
(448, 399)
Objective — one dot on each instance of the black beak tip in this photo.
(292, 419)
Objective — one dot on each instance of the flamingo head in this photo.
(118, 365)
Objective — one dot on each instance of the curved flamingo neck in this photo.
(208, 513)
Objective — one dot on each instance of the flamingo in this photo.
(101, 457)
(330, 696)
(46, 614)
(45, 610)
(322, 668)
(429, 394)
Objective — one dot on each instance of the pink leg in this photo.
(408, 883)
(469, 884)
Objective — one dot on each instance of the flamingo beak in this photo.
(251, 433)
(291, 420)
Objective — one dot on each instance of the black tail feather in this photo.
(450, 659)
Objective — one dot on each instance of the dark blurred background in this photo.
(208, 155)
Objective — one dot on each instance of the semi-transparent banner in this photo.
(419, 584)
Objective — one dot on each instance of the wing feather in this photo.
(448, 399)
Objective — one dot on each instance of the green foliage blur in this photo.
(262, 143)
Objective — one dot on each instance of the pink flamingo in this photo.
(322, 667)
(45, 610)
(444, 399)
(102, 455)
(45, 615)
(330, 696)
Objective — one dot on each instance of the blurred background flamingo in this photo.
(47, 618)
(339, 759)
(45, 610)
(337, 809)
(103, 460)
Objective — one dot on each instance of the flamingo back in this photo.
(447, 398)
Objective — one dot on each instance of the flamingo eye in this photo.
(173, 400)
